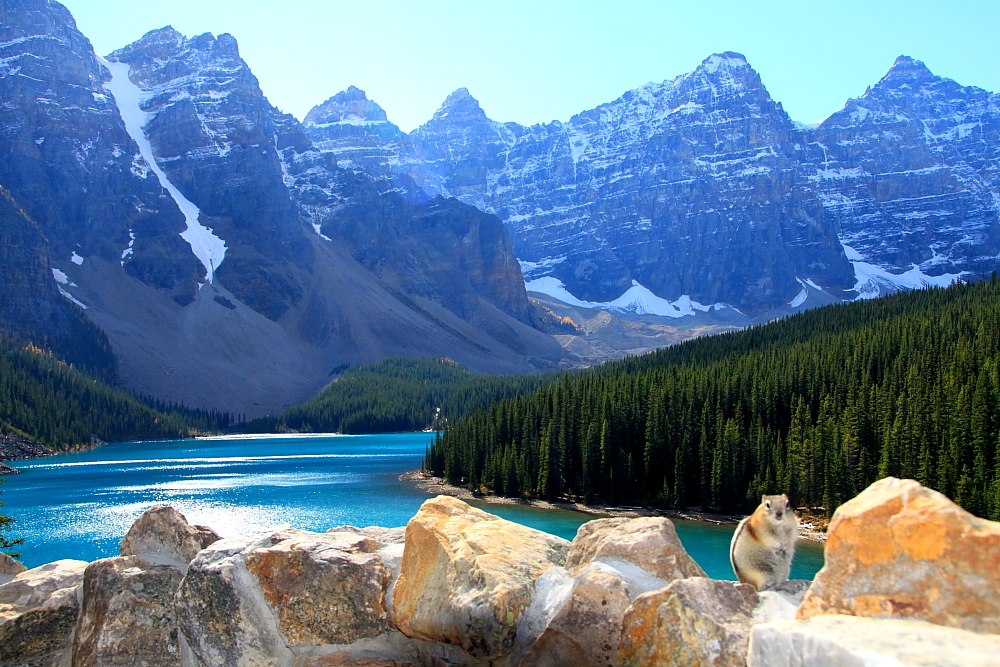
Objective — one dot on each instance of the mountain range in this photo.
(162, 224)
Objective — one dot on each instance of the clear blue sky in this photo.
(537, 61)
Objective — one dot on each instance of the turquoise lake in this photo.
(81, 505)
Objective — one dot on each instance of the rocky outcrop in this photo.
(163, 536)
(835, 640)
(328, 589)
(127, 616)
(271, 598)
(9, 568)
(585, 631)
(38, 611)
(693, 622)
(901, 550)
(468, 589)
(650, 543)
(467, 577)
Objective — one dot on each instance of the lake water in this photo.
(81, 505)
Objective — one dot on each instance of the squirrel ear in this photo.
(763, 499)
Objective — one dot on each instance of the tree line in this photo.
(397, 394)
(818, 405)
(56, 405)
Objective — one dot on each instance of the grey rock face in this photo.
(128, 616)
(692, 622)
(38, 611)
(836, 641)
(269, 599)
(162, 535)
(68, 160)
(356, 130)
(910, 173)
(703, 186)
(210, 129)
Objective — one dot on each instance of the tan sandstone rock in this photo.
(692, 622)
(270, 599)
(38, 610)
(902, 550)
(9, 568)
(323, 590)
(128, 617)
(647, 542)
(467, 576)
(163, 536)
(586, 630)
(850, 641)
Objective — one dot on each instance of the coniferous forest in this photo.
(53, 404)
(818, 405)
(397, 394)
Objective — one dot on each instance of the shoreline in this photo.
(437, 486)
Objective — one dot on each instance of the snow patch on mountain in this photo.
(636, 299)
(206, 246)
(873, 281)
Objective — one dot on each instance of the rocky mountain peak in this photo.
(347, 106)
(724, 74)
(460, 106)
(906, 71)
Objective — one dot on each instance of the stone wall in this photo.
(910, 578)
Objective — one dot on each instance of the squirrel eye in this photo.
(768, 504)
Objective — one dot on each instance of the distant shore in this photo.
(437, 486)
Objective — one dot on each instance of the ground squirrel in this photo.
(764, 543)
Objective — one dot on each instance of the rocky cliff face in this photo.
(910, 173)
(701, 190)
(230, 261)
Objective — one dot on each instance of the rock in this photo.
(163, 536)
(691, 622)
(127, 616)
(38, 610)
(586, 630)
(467, 577)
(9, 568)
(266, 599)
(647, 542)
(322, 591)
(383, 536)
(849, 641)
(902, 550)
(341, 660)
(221, 610)
(781, 601)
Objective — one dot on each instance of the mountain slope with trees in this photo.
(818, 405)
(55, 405)
(398, 394)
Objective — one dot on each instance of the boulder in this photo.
(38, 610)
(467, 576)
(781, 601)
(586, 630)
(9, 568)
(384, 536)
(650, 543)
(850, 641)
(128, 617)
(322, 591)
(691, 623)
(902, 550)
(267, 599)
(163, 536)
